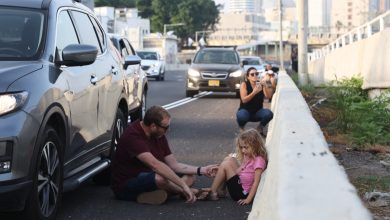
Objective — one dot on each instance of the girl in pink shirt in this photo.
(242, 176)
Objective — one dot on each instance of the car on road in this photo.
(152, 64)
(253, 61)
(137, 82)
(63, 105)
(215, 69)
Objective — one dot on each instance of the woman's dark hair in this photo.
(155, 114)
(248, 70)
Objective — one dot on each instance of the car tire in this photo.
(191, 93)
(120, 123)
(46, 193)
(140, 112)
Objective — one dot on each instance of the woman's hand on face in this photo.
(258, 88)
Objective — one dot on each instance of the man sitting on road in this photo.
(144, 168)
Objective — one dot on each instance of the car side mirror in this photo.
(78, 55)
(131, 60)
(188, 61)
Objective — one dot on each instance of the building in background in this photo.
(245, 6)
(125, 22)
(384, 5)
(319, 16)
(349, 14)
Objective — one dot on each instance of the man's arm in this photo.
(163, 170)
(188, 169)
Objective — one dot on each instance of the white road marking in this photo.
(185, 101)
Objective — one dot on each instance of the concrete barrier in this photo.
(303, 180)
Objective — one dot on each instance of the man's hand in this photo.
(210, 170)
(190, 196)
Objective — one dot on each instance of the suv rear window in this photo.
(217, 57)
(21, 33)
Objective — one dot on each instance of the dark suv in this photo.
(214, 69)
(62, 102)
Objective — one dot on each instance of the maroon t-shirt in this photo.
(132, 143)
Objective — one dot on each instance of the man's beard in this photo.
(155, 135)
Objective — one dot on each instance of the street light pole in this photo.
(196, 35)
(281, 55)
(302, 42)
(171, 25)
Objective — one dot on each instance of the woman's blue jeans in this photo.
(263, 116)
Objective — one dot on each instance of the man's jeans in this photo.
(263, 115)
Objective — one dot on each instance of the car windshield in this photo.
(216, 57)
(147, 55)
(252, 61)
(21, 33)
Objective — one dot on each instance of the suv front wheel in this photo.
(46, 192)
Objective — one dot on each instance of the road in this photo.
(202, 132)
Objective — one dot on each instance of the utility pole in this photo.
(302, 41)
(281, 55)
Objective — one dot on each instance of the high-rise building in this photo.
(319, 15)
(246, 6)
(348, 14)
(384, 5)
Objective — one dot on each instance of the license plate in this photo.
(213, 82)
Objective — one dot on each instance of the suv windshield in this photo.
(216, 57)
(147, 55)
(21, 33)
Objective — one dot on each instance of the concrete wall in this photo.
(367, 58)
(303, 180)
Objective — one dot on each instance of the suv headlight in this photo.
(192, 72)
(12, 101)
(236, 73)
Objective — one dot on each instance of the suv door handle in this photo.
(94, 79)
(114, 70)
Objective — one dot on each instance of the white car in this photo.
(152, 64)
(253, 61)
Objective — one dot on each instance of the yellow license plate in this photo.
(213, 82)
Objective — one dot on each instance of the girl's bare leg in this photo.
(226, 170)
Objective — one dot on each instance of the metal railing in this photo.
(364, 31)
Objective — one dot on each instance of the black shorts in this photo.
(144, 182)
(235, 188)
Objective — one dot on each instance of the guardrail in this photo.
(364, 31)
(303, 180)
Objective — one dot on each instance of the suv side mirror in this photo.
(131, 60)
(78, 55)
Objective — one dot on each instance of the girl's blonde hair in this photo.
(255, 143)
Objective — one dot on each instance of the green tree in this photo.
(116, 3)
(163, 11)
(198, 15)
(144, 8)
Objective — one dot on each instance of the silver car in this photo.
(152, 64)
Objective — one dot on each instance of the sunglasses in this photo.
(164, 127)
(253, 74)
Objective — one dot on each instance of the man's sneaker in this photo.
(156, 197)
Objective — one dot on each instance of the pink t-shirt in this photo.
(247, 172)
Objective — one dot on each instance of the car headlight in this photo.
(236, 73)
(192, 72)
(12, 101)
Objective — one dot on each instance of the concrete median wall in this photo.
(303, 180)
